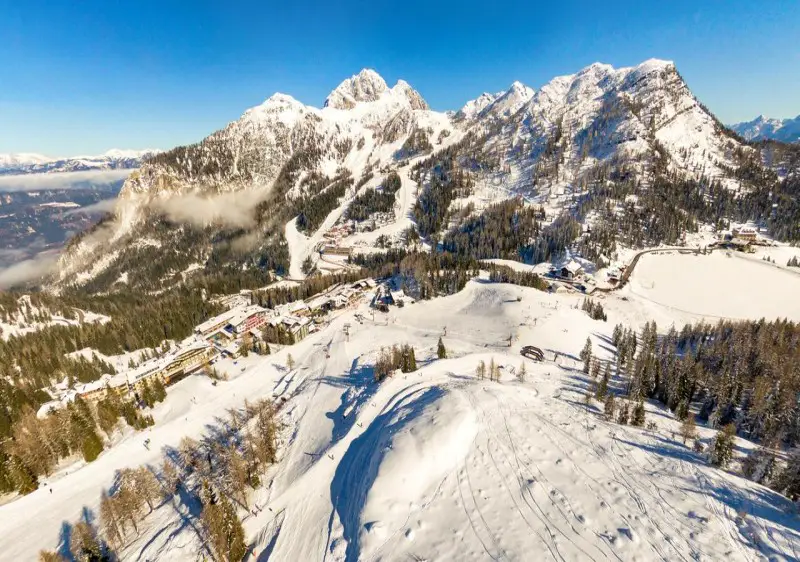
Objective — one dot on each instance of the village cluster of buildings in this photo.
(741, 238)
(187, 358)
(220, 336)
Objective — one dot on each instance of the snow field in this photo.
(722, 284)
(435, 464)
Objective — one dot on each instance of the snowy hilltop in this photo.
(456, 444)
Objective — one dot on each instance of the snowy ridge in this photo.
(363, 123)
(602, 113)
(551, 138)
(472, 108)
(763, 128)
(39, 164)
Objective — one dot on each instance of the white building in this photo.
(247, 318)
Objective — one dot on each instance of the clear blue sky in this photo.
(82, 77)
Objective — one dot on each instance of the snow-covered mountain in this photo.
(762, 128)
(284, 159)
(501, 104)
(22, 160)
(113, 159)
(472, 108)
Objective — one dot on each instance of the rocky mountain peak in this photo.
(414, 98)
(473, 107)
(367, 85)
(501, 104)
(763, 127)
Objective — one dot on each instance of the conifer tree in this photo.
(602, 386)
(159, 391)
(85, 546)
(146, 486)
(412, 360)
(289, 361)
(246, 345)
(682, 411)
(787, 481)
(170, 479)
(759, 465)
(441, 352)
(23, 478)
(586, 352)
(92, 445)
(107, 415)
(616, 337)
(624, 413)
(127, 501)
(147, 394)
(222, 527)
(237, 473)
(492, 369)
(722, 448)
(109, 520)
(264, 432)
(522, 373)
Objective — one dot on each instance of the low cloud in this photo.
(28, 270)
(234, 209)
(104, 206)
(63, 180)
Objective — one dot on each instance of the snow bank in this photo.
(425, 439)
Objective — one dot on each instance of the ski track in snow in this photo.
(436, 465)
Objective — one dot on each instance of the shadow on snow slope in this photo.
(358, 467)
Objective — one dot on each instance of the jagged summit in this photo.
(501, 104)
(278, 104)
(413, 96)
(763, 127)
(473, 107)
(367, 85)
(517, 95)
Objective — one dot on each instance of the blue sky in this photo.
(82, 77)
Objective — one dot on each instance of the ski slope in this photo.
(436, 464)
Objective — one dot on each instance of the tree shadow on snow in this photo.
(187, 506)
(360, 387)
(64, 540)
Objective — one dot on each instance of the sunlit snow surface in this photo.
(437, 465)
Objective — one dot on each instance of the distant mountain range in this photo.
(115, 159)
(764, 128)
